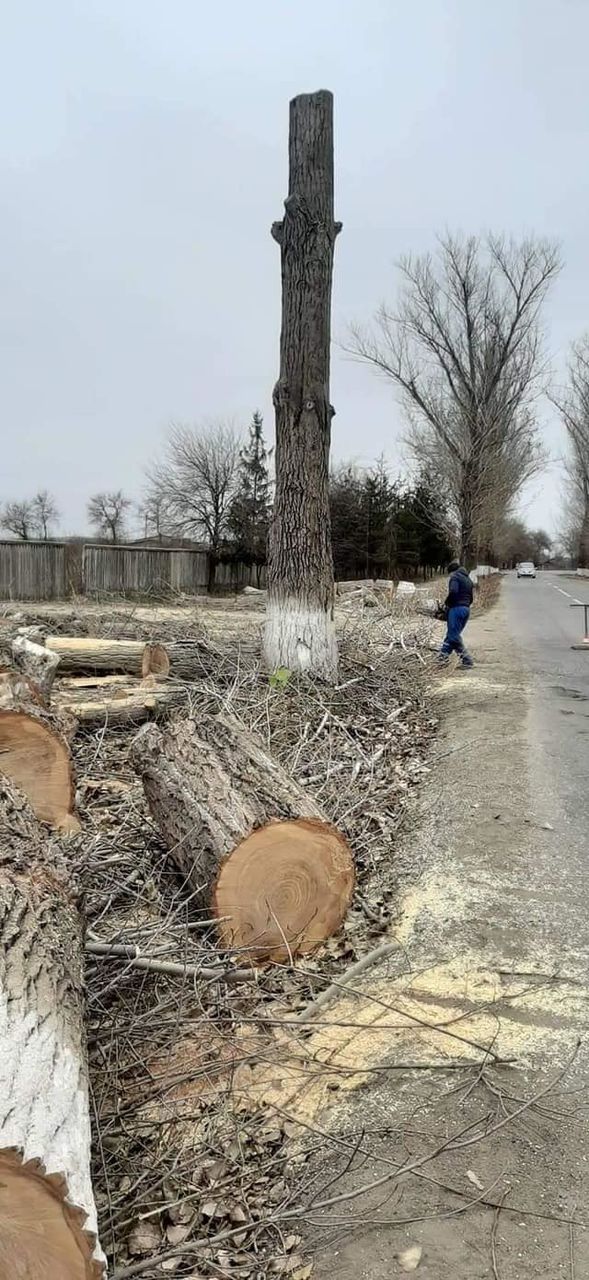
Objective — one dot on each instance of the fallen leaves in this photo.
(144, 1238)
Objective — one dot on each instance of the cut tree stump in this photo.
(47, 1212)
(252, 845)
(85, 653)
(35, 753)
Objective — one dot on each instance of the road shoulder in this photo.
(486, 967)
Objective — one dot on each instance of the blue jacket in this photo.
(460, 590)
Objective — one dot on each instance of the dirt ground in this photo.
(474, 956)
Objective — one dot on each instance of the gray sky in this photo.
(144, 149)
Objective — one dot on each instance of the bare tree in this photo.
(196, 482)
(300, 632)
(153, 511)
(18, 518)
(573, 406)
(45, 513)
(107, 513)
(464, 348)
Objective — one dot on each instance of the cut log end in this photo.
(155, 661)
(41, 1235)
(38, 761)
(284, 889)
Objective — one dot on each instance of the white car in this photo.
(526, 569)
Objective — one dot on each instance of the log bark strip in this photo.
(85, 653)
(300, 632)
(129, 708)
(47, 1212)
(249, 841)
(35, 754)
(192, 660)
(37, 663)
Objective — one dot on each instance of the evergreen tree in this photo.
(431, 522)
(380, 505)
(250, 510)
(381, 529)
(348, 522)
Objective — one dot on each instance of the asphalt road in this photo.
(545, 626)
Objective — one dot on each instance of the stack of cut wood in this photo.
(107, 681)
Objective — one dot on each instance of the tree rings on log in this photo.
(36, 757)
(38, 761)
(41, 1235)
(284, 889)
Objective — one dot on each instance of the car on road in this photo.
(526, 569)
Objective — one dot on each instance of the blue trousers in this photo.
(453, 643)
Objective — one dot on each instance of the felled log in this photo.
(356, 584)
(37, 663)
(47, 1211)
(124, 707)
(191, 659)
(251, 844)
(35, 754)
(86, 653)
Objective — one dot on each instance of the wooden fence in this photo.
(32, 570)
(54, 571)
(144, 571)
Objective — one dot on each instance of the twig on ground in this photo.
(494, 1235)
(137, 961)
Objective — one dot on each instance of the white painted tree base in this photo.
(44, 1114)
(300, 638)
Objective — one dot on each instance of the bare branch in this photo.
(107, 514)
(573, 406)
(195, 482)
(464, 349)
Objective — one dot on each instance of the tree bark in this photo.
(583, 560)
(87, 653)
(192, 659)
(129, 707)
(47, 1212)
(37, 663)
(248, 840)
(300, 632)
(35, 754)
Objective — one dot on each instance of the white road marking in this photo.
(563, 593)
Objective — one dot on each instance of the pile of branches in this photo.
(192, 1169)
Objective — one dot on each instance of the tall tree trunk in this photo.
(300, 632)
(47, 1211)
(468, 541)
(584, 536)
